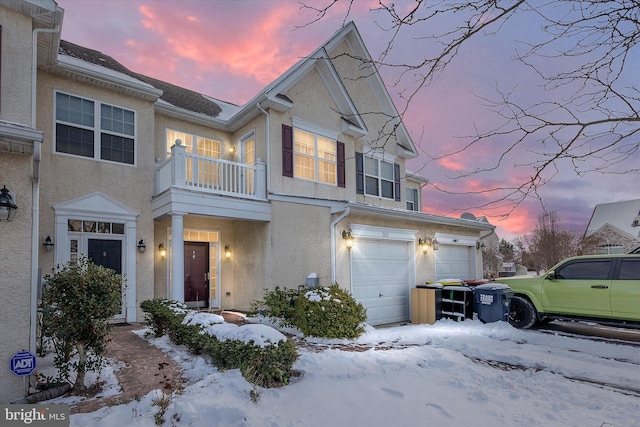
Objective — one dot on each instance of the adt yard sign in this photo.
(23, 363)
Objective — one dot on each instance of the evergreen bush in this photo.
(265, 366)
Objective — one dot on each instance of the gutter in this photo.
(35, 194)
(332, 229)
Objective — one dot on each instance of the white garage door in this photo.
(380, 276)
(454, 262)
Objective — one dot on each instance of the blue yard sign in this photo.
(23, 363)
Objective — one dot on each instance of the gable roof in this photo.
(620, 215)
(190, 105)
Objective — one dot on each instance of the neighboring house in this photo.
(26, 36)
(614, 228)
(203, 201)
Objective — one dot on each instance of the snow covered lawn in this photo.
(447, 374)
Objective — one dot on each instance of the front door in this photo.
(196, 274)
(107, 253)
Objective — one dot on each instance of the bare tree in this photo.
(589, 117)
(549, 244)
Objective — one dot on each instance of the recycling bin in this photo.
(492, 302)
(457, 302)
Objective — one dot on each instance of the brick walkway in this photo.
(146, 367)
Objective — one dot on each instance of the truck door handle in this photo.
(600, 287)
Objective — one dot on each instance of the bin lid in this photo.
(431, 286)
(493, 287)
(458, 288)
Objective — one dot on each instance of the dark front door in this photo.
(196, 274)
(107, 253)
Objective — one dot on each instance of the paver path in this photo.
(146, 368)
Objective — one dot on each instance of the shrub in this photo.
(160, 313)
(263, 365)
(279, 304)
(329, 312)
(78, 300)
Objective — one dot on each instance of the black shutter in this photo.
(396, 177)
(340, 164)
(287, 151)
(359, 173)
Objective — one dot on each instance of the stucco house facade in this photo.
(613, 228)
(203, 201)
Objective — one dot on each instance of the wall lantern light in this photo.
(141, 246)
(348, 239)
(48, 244)
(7, 207)
(163, 251)
(424, 243)
(227, 251)
(480, 245)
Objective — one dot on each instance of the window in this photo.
(609, 249)
(203, 146)
(95, 130)
(207, 172)
(314, 157)
(309, 155)
(412, 199)
(630, 269)
(584, 270)
(379, 178)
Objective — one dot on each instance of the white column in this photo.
(259, 185)
(177, 256)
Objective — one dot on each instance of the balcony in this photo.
(194, 184)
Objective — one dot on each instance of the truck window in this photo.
(585, 270)
(630, 269)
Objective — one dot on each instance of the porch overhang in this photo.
(193, 202)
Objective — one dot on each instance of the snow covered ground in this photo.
(447, 374)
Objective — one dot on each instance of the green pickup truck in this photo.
(599, 288)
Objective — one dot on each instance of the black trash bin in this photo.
(492, 302)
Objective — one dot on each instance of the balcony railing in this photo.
(210, 175)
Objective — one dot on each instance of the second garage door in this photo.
(381, 279)
(454, 262)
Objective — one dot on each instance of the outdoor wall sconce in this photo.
(428, 241)
(163, 251)
(227, 251)
(141, 246)
(348, 238)
(48, 244)
(480, 245)
(7, 207)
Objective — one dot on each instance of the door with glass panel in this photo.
(248, 158)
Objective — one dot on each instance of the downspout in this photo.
(333, 242)
(268, 159)
(35, 193)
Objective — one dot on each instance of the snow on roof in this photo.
(618, 214)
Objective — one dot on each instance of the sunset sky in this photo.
(230, 50)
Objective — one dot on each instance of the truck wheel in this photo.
(522, 314)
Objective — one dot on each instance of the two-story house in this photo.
(203, 201)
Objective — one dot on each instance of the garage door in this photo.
(380, 272)
(454, 262)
